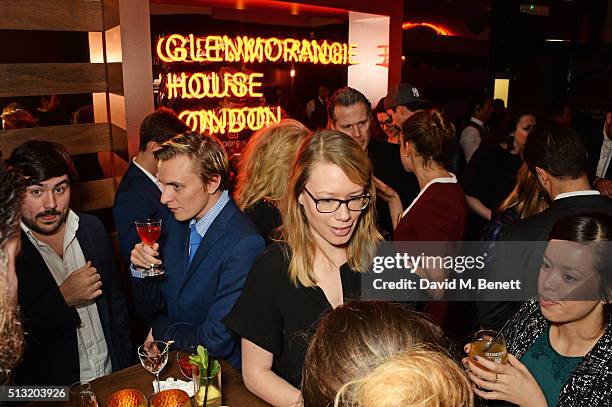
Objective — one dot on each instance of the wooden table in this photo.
(235, 394)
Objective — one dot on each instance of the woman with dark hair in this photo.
(384, 356)
(382, 127)
(329, 239)
(491, 174)
(439, 212)
(564, 340)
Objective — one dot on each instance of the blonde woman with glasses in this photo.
(329, 238)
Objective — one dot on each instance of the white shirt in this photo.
(94, 360)
(443, 180)
(148, 174)
(604, 156)
(576, 193)
(470, 139)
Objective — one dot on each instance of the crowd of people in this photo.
(268, 274)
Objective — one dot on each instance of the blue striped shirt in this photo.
(209, 217)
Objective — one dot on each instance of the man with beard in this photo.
(11, 335)
(74, 311)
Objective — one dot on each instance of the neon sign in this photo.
(212, 85)
(228, 83)
(438, 29)
(231, 120)
(216, 48)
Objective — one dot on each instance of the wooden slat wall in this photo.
(78, 138)
(51, 79)
(51, 15)
(67, 78)
(92, 195)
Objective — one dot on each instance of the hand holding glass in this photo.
(489, 345)
(149, 231)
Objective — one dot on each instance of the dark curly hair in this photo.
(12, 189)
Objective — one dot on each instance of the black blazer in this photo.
(51, 355)
(524, 262)
(137, 198)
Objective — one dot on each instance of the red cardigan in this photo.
(440, 214)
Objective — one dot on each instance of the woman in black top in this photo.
(491, 173)
(263, 171)
(329, 238)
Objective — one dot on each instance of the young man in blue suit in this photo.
(73, 307)
(139, 192)
(209, 250)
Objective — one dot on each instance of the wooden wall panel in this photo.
(92, 195)
(51, 79)
(78, 138)
(51, 15)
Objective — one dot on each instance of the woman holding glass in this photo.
(563, 340)
(329, 238)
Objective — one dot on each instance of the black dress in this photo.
(489, 177)
(280, 317)
(266, 216)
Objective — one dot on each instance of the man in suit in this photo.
(350, 112)
(209, 251)
(557, 156)
(73, 307)
(139, 192)
(11, 334)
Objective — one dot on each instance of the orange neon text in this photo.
(437, 28)
(217, 48)
(212, 85)
(231, 120)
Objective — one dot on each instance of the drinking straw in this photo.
(207, 373)
(496, 337)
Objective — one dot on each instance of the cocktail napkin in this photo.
(171, 383)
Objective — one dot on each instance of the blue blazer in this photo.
(137, 198)
(51, 356)
(188, 303)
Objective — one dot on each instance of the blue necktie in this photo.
(194, 242)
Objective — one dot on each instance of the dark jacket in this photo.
(137, 198)
(51, 356)
(523, 261)
(590, 384)
(188, 303)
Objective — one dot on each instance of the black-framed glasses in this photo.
(329, 205)
(386, 123)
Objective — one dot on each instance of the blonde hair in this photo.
(266, 161)
(423, 376)
(527, 196)
(328, 146)
(371, 333)
(206, 153)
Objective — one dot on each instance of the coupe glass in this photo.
(153, 357)
(149, 231)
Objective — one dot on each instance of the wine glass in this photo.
(149, 231)
(153, 357)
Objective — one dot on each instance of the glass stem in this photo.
(157, 380)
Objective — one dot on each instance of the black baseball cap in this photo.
(404, 94)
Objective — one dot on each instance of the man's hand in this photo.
(81, 286)
(144, 255)
(605, 187)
